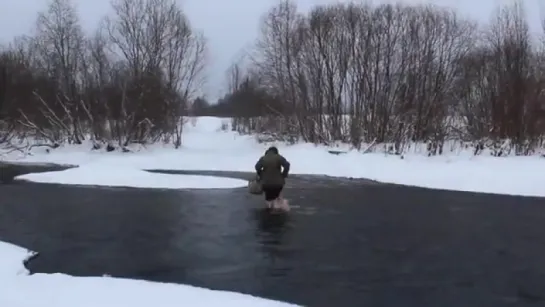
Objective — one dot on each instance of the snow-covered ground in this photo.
(207, 147)
(96, 174)
(18, 289)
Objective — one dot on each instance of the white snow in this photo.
(18, 289)
(104, 175)
(207, 147)
(11, 260)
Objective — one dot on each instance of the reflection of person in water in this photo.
(271, 223)
(275, 240)
(272, 170)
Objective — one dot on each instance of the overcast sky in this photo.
(229, 25)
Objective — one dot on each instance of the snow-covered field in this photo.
(207, 147)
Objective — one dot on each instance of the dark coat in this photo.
(272, 169)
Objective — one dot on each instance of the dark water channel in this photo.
(346, 243)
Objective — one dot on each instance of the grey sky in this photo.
(229, 25)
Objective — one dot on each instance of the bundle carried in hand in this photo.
(255, 187)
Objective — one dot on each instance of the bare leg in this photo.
(283, 204)
(279, 204)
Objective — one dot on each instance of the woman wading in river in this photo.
(272, 170)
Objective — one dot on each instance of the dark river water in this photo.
(345, 243)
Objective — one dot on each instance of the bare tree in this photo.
(129, 82)
(359, 73)
(276, 56)
(501, 86)
(59, 43)
(156, 40)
